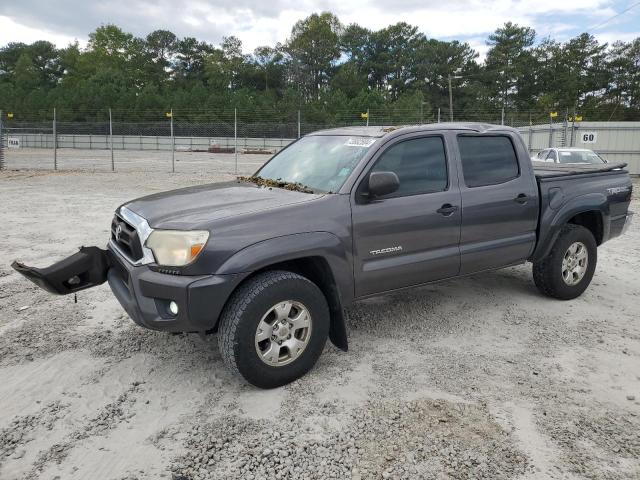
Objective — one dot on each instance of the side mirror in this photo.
(383, 183)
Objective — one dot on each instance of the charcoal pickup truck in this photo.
(269, 262)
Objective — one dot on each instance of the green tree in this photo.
(9, 56)
(190, 58)
(356, 45)
(436, 61)
(508, 61)
(583, 73)
(330, 72)
(349, 79)
(314, 49)
(25, 75)
(268, 62)
(162, 44)
(634, 76)
(393, 58)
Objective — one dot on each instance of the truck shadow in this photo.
(443, 305)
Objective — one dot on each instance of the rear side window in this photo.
(487, 160)
(420, 164)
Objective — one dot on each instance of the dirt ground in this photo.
(480, 377)
(159, 161)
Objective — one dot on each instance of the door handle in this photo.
(521, 199)
(447, 209)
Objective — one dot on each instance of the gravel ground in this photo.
(480, 377)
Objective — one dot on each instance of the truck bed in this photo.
(544, 170)
(567, 190)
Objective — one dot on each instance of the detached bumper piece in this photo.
(80, 271)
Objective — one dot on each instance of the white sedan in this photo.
(568, 155)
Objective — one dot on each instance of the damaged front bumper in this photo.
(144, 294)
(85, 269)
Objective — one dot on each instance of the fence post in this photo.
(113, 167)
(530, 132)
(298, 123)
(565, 128)
(450, 101)
(502, 117)
(550, 131)
(55, 142)
(173, 146)
(235, 136)
(1, 144)
(367, 117)
(438, 114)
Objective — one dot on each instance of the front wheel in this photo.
(274, 328)
(568, 269)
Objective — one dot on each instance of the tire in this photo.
(262, 302)
(549, 274)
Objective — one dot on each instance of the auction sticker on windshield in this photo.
(362, 142)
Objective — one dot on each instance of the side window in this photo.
(552, 156)
(487, 160)
(420, 164)
(542, 154)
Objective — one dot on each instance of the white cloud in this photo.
(260, 22)
(462, 19)
(479, 44)
(611, 37)
(540, 7)
(12, 31)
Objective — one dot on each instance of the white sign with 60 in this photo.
(589, 137)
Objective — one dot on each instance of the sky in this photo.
(266, 22)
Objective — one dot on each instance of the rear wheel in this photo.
(568, 269)
(274, 328)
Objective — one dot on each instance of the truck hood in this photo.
(198, 206)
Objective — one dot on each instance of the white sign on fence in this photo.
(13, 142)
(589, 137)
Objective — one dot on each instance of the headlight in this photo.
(175, 248)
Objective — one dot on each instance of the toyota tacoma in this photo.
(271, 261)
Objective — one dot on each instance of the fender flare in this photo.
(324, 245)
(591, 202)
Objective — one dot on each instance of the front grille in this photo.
(126, 237)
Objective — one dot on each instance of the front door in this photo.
(410, 236)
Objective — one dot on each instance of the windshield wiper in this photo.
(268, 182)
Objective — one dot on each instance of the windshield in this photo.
(319, 162)
(579, 156)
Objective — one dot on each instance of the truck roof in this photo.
(381, 131)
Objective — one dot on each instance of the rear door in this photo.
(411, 236)
(499, 202)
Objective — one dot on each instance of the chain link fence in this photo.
(239, 141)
